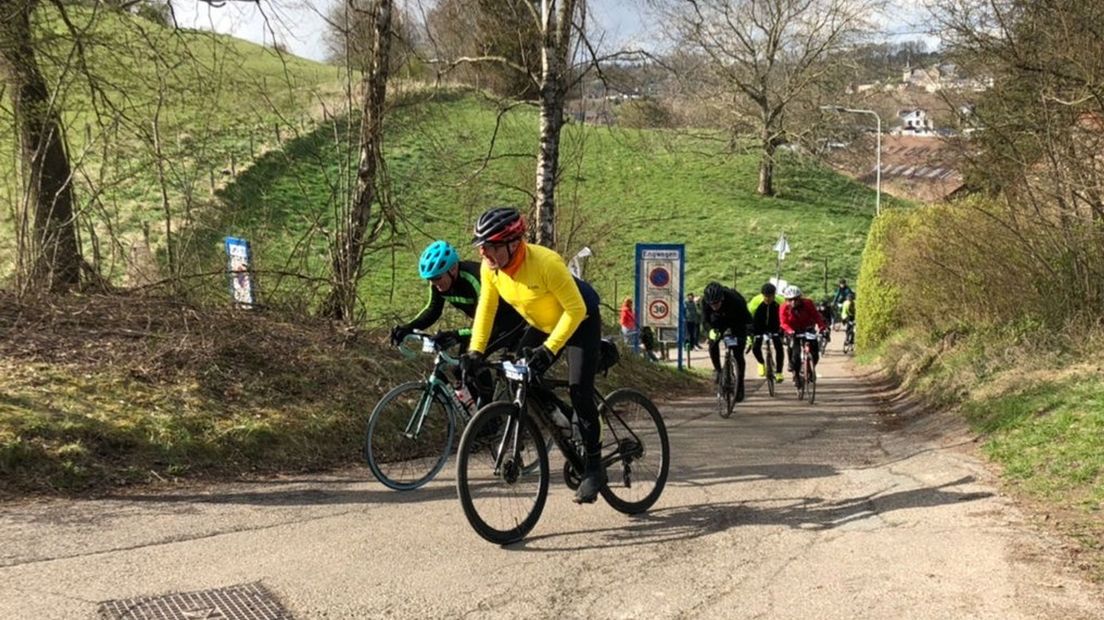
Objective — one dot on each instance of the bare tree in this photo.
(360, 224)
(54, 257)
(759, 57)
(561, 28)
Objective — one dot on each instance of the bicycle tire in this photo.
(385, 444)
(800, 375)
(810, 381)
(728, 387)
(477, 451)
(768, 357)
(621, 412)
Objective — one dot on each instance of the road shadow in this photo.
(298, 497)
(681, 523)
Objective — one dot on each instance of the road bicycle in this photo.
(726, 389)
(822, 341)
(502, 466)
(805, 378)
(412, 428)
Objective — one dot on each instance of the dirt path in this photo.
(782, 511)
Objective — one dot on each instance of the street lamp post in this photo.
(878, 164)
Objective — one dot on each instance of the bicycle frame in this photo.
(519, 377)
(437, 380)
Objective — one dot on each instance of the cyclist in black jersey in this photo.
(456, 282)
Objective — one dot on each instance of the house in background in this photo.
(914, 122)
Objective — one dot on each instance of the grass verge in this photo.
(1039, 407)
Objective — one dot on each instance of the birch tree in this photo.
(560, 26)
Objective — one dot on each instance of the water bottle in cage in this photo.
(463, 394)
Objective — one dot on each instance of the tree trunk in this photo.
(54, 260)
(556, 30)
(766, 165)
(356, 231)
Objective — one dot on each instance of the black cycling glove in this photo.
(398, 333)
(447, 339)
(471, 363)
(539, 359)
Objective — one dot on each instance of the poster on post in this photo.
(239, 258)
(659, 291)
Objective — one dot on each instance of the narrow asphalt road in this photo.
(782, 511)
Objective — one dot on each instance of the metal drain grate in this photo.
(250, 601)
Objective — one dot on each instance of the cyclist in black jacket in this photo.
(764, 309)
(725, 311)
(456, 282)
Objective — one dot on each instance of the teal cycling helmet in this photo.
(438, 258)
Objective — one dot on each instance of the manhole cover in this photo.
(250, 601)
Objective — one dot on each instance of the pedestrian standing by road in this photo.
(693, 321)
(628, 323)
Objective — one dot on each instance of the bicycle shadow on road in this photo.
(689, 522)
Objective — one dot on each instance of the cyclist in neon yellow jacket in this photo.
(562, 312)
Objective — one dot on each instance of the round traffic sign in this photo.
(659, 277)
(658, 309)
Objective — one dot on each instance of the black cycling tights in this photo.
(758, 351)
(581, 352)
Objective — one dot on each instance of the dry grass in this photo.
(101, 391)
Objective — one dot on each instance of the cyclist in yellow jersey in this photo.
(563, 317)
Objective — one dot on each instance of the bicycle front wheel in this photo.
(635, 451)
(728, 381)
(810, 381)
(502, 495)
(409, 436)
(769, 359)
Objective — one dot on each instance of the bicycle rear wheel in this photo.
(636, 451)
(409, 437)
(501, 495)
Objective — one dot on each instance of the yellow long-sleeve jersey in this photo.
(542, 291)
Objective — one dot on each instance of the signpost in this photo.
(239, 259)
(783, 248)
(659, 292)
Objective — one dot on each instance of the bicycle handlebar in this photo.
(428, 345)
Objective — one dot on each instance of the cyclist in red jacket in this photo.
(800, 315)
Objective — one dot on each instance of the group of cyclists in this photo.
(521, 297)
(726, 313)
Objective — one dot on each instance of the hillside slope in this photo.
(619, 187)
(134, 89)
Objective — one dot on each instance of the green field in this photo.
(620, 187)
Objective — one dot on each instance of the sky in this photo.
(299, 23)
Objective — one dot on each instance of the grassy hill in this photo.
(620, 187)
(215, 101)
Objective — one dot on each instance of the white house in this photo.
(914, 122)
